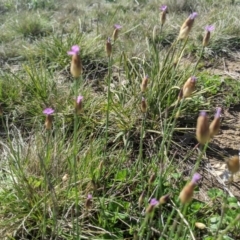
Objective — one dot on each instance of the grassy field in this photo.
(108, 150)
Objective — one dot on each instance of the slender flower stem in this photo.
(75, 152)
(200, 57)
(108, 98)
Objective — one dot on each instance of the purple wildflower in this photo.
(203, 113)
(48, 111)
(79, 99)
(163, 8)
(117, 26)
(196, 178)
(154, 202)
(74, 50)
(209, 28)
(193, 79)
(218, 112)
(89, 196)
(193, 15)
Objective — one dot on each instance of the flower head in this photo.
(196, 178)
(209, 28)
(74, 50)
(88, 202)
(117, 26)
(79, 99)
(89, 196)
(154, 202)
(193, 79)
(203, 113)
(218, 112)
(163, 8)
(79, 105)
(193, 15)
(108, 47)
(48, 111)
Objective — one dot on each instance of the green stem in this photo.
(200, 57)
(75, 152)
(231, 225)
(108, 98)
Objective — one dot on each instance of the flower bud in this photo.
(88, 202)
(117, 27)
(233, 164)
(108, 47)
(49, 118)
(152, 205)
(78, 105)
(65, 177)
(186, 194)
(143, 105)
(202, 129)
(164, 199)
(189, 86)
(141, 199)
(76, 63)
(163, 14)
(215, 124)
(144, 83)
(187, 26)
(206, 38)
(152, 178)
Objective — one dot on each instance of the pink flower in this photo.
(193, 15)
(209, 28)
(89, 196)
(74, 50)
(48, 111)
(218, 112)
(196, 178)
(79, 99)
(163, 8)
(193, 79)
(117, 26)
(203, 113)
(154, 202)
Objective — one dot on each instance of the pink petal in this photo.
(79, 99)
